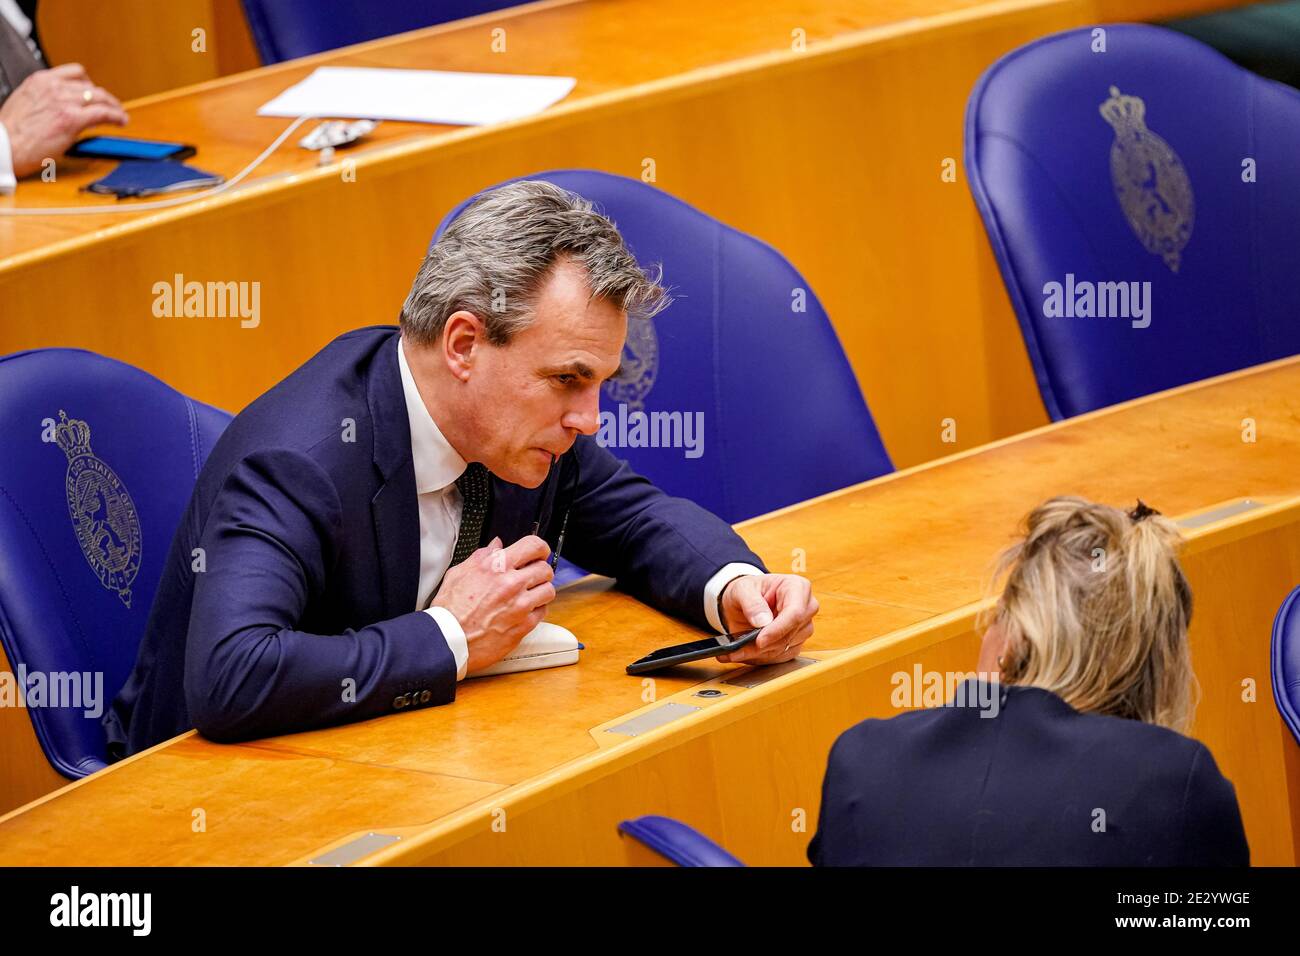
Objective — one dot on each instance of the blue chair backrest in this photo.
(677, 842)
(783, 417)
(1286, 662)
(100, 459)
(285, 29)
(1157, 161)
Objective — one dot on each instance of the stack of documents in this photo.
(419, 96)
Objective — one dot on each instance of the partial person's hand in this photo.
(751, 600)
(498, 595)
(49, 110)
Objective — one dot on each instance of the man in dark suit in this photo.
(360, 538)
(42, 111)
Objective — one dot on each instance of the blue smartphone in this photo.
(119, 147)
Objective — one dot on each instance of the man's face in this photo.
(536, 393)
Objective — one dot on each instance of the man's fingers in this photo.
(75, 95)
(535, 573)
(786, 623)
(71, 71)
(96, 114)
(101, 95)
(748, 597)
(541, 595)
(527, 549)
(787, 650)
(795, 607)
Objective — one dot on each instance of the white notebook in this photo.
(546, 645)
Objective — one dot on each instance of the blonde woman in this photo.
(1072, 752)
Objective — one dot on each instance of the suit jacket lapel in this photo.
(16, 60)
(394, 508)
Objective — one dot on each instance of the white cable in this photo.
(159, 203)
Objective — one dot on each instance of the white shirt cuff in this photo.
(7, 181)
(727, 574)
(454, 635)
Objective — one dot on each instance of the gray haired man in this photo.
(383, 519)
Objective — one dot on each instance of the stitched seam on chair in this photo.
(38, 719)
(997, 240)
(53, 568)
(1069, 207)
(194, 436)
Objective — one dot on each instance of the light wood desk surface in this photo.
(898, 555)
(817, 125)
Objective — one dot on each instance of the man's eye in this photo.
(566, 379)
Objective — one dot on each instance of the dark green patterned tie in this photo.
(473, 485)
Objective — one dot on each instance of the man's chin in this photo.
(530, 471)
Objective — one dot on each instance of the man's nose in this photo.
(584, 415)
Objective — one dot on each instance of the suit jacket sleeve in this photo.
(270, 540)
(662, 549)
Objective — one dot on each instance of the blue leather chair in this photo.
(99, 462)
(1286, 662)
(784, 419)
(676, 842)
(285, 29)
(1128, 166)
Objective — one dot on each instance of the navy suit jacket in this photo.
(948, 787)
(296, 564)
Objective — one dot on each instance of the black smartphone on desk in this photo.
(694, 651)
(120, 147)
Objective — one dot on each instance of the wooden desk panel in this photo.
(153, 43)
(538, 741)
(259, 807)
(832, 153)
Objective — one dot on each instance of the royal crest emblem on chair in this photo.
(1149, 179)
(103, 514)
(639, 366)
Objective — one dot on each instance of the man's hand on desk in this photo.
(498, 595)
(49, 110)
(751, 601)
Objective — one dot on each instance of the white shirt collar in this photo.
(10, 10)
(437, 464)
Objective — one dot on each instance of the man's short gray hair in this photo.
(494, 255)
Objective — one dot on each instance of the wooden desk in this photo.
(526, 769)
(827, 123)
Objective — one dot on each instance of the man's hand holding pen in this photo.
(498, 595)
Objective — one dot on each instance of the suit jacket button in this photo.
(426, 696)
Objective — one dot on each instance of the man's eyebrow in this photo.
(581, 369)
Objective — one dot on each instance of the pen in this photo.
(554, 559)
(537, 524)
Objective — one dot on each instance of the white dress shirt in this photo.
(10, 10)
(437, 466)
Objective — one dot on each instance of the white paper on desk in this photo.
(546, 645)
(419, 96)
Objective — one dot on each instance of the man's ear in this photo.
(462, 335)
